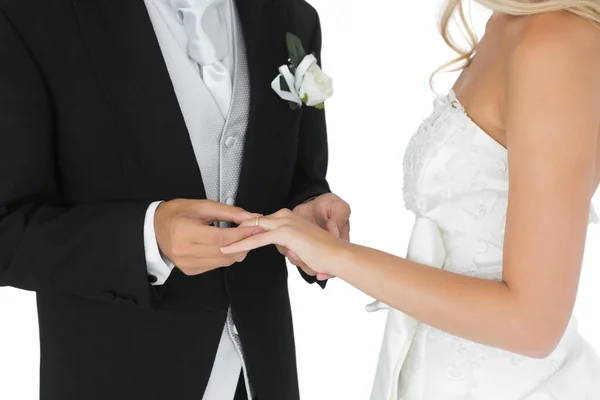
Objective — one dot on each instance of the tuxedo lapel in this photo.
(264, 24)
(132, 70)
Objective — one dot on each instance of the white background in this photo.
(380, 54)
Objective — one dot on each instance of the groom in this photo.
(112, 112)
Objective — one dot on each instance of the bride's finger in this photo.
(267, 223)
(251, 221)
(251, 243)
(270, 223)
(333, 229)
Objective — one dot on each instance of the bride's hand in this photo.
(315, 246)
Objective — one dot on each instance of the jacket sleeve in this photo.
(94, 251)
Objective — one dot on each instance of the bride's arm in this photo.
(553, 117)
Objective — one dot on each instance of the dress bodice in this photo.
(457, 175)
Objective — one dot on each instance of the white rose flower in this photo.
(302, 82)
(316, 86)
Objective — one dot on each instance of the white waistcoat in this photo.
(218, 145)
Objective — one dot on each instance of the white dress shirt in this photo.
(204, 30)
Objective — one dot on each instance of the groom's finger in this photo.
(288, 253)
(225, 236)
(333, 228)
(293, 256)
(340, 213)
(211, 211)
(294, 259)
(345, 234)
(324, 277)
(308, 271)
(297, 261)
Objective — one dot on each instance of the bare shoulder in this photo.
(557, 37)
(553, 76)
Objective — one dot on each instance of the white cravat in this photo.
(207, 39)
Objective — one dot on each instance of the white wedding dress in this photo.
(456, 183)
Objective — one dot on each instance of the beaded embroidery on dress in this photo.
(457, 176)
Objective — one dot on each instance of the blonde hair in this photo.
(454, 9)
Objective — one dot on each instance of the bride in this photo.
(500, 179)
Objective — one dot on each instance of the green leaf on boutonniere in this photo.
(295, 49)
(305, 99)
(320, 106)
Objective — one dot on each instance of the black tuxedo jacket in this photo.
(90, 134)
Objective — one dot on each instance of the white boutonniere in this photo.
(301, 81)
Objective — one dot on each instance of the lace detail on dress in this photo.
(429, 133)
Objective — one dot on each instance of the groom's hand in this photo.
(185, 234)
(329, 212)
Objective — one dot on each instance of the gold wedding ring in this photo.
(257, 221)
